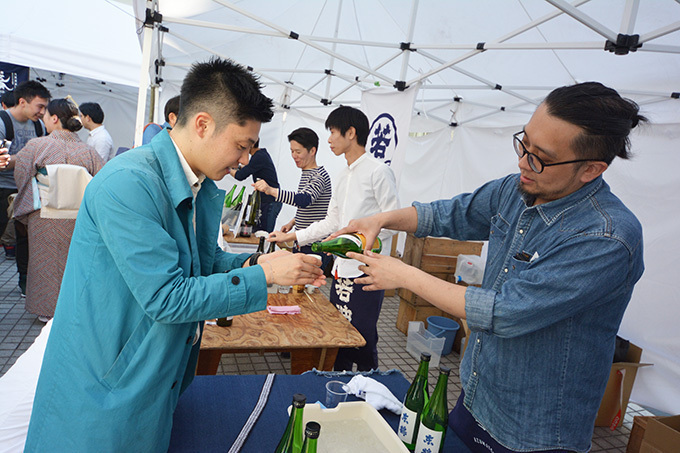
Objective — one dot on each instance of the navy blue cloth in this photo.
(266, 221)
(260, 166)
(361, 308)
(213, 409)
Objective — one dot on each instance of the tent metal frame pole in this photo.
(630, 12)
(332, 59)
(306, 41)
(409, 38)
(143, 83)
(359, 79)
(512, 34)
(584, 19)
(670, 28)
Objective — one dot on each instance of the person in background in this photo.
(49, 238)
(314, 190)
(7, 100)
(261, 167)
(171, 111)
(564, 256)
(92, 117)
(364, 186)
(144, 271)
(20, 124)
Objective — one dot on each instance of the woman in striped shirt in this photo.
(314, 190)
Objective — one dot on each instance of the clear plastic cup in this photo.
(284, 289)
(335, 394)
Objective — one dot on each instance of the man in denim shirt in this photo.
(564, 255)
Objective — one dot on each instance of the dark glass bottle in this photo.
(352, 242)
(225, 322)
(414, 402)
(291, 441)
(312, 431)
(435, 418)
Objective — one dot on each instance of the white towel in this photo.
(61, 191)
(375, 393)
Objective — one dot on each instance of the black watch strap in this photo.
(252, 261)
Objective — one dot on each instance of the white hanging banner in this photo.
(389, 116)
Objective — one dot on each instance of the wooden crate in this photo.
(637, 433)
(438, 257)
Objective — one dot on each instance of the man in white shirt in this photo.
(365, 185)
(92, 116)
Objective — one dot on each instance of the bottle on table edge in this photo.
(435, 418)
(416, 397)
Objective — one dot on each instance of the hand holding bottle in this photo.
(292, 269)
(262, 186)
(4, 154)
(382, 272)
(368, 226)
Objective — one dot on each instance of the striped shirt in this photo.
(312, 197)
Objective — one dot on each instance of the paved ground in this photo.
(18, 330)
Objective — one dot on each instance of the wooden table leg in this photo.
(302, 360)
(208, 362)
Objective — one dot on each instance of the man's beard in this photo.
(528, 198)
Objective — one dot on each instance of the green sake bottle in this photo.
(341, 245)
(291, 441)
(414, 402)
(312, 431)
(228, 199)
(435, 418)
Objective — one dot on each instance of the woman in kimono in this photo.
(49, 237)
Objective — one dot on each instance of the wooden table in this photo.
(313, 337)
(231, 239)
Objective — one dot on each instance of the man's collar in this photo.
(552, 210)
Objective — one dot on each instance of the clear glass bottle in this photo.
(291, 441)
(352, 242)
(312, 431)
(414, 402)
(435, 418)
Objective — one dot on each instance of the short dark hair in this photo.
(93, 110)
(30, 89)
(67, 112)
(345, 117)
(306, 137)
(8, 99)
(172, 106)
(605, 117)
(227, 91)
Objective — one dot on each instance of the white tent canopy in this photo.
(483, 67)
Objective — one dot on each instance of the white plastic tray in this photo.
(352, 427)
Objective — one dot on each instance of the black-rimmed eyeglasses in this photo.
(535, 162)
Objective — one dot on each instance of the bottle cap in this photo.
(312, 430)
(443, 369)
(425, 356)
(299, 400)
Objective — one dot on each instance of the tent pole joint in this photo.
(480, 46)
(400, 85)
(293, 35)
(325, 101)
(675, 95)
(624, 44)
(406, 46)
(152, 17)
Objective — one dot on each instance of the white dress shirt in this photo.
(101, 140)
(364, 188)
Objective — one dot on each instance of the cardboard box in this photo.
(620, 384)
(662, 435)
(637, 433)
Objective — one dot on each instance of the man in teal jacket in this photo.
(144, 271)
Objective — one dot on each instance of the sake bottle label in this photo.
(429, 441)
(407, 425)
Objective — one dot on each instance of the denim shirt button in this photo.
(474, 373)
(505, 270)
(521, 231)
(478, 341)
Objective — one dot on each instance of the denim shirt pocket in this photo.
(497, 235)
(125, 356)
